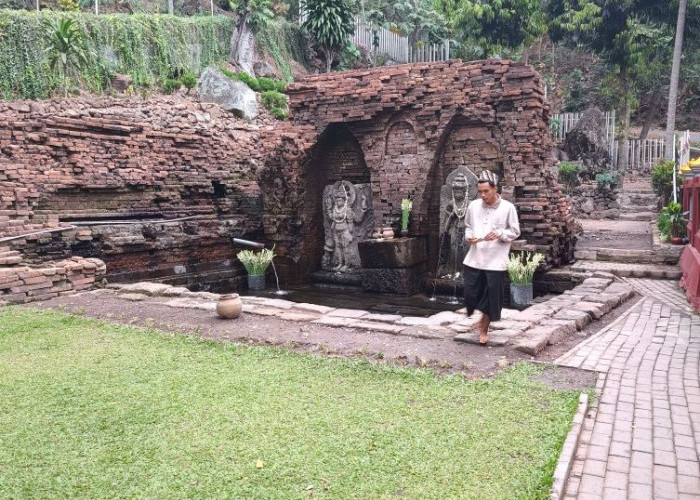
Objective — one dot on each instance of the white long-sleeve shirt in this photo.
(479, 221)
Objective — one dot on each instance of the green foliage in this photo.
(419, 20)
(284, 42)
(66, 51)
(608, 179)
(256, 262)
(521, 267)
(273, 99)
(662, 180)
(672, 221)
(101, 410)
(348, 57)
(254, 13)
(279, 113)
(149, 48)
(68, 5)
(568, 174)
(495, 25)
(189, 81)
(261, 84)
(330, 23)
(171, 85)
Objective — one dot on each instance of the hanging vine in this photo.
(148, 47)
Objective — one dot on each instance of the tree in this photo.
(494, 25)
(254, 13)
(66, 51)
(675, 72)
(330, 22)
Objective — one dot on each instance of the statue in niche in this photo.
(455, 195)
(347, 214)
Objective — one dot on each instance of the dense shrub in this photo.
(608, 179)
(171, 85)
(662, 181)
(189, 81)
(149, 48)
(568, 174)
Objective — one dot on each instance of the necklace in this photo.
(460, 210)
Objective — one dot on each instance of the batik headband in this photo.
(490, 177)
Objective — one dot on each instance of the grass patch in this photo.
(97, 410)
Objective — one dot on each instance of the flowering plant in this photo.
(406, 207)
(255, 263)
(521, 267)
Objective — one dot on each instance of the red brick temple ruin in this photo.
(156, 189)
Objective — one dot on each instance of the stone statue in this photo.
(459, 189)
(348, 219)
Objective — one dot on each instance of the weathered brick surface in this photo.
(413, 124)
(24, 284)
(403, 129)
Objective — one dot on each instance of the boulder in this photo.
(232, 96)
(266, 69)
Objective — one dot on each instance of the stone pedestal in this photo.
(393, 266)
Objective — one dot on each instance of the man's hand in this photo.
(473, 240)
(493, 235)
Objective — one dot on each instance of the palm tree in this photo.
(675, 72)
(66, 51)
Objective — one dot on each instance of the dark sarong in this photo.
(483, 290)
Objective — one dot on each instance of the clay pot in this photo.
(229, 306)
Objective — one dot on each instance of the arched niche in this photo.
(337, 156)
(466, 142)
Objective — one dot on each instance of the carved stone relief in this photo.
(459, 189)
(347, 220)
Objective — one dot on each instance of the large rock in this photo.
(233, 96)
(586, 142)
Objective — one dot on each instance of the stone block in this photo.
(581, 318)
(394, 253)
(400, 281)
(533, 341)
(559, 329)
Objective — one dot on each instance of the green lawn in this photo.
(97, 410)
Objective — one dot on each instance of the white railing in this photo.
(395, 46)
(564, 122)
(639, 156)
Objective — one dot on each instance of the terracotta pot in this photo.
(229, 306)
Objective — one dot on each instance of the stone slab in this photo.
(145, 288)
(499, 338)
(445, 317)
(136, 297)
(518, 326)
(434, 332)
(581, 318)
(297, 316)
(377, 327)
(559, 329)
(382, 318)
(596, 310)
(332, 321)
(278, 303)
(394, 253)
(183, 302)
(347, 313)
(305, 306)
(533, 341)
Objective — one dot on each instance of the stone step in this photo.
(623, 255)
(638, 209)
(629, 270)
(647, 216)
(9, 257)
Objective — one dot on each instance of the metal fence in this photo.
(380, 40)
(638, 155)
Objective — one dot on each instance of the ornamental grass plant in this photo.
(256, 262)
(521, 267)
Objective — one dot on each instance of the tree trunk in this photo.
(625, 120)
(673, 87)
(329, 59)
(171, 7)
(650, 113)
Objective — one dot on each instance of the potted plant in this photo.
(256, 264)
(406, 207)
(521, 269)
(672, 223)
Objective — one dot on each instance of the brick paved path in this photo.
(641, 437)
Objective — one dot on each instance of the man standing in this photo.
(491, 224)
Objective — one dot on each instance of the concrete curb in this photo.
(568, 451)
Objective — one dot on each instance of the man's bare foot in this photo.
(483, 338)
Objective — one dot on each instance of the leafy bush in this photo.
(273, 99)
(262, 84)
(149, 48)
(349, 57)
(662, 181)
(608, 179)
(672, 221)
(171, 85)
(568, 174)
(279, 113)
(189, 81)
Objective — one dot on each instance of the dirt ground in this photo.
(445, 356)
